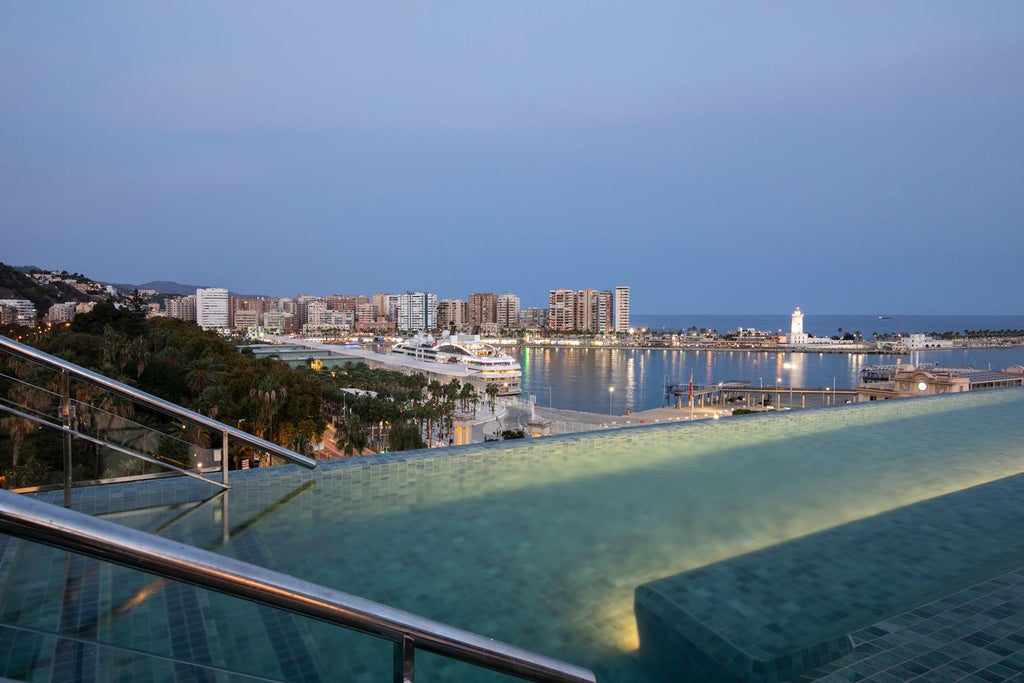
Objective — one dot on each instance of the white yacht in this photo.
(484, 362)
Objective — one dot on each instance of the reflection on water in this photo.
(580, 378)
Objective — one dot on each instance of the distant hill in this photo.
(162, 286)
(15, 283)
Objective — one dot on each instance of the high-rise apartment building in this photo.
(182, 308)
(585, 307)
(316, 313)
(417, 311)
(562, 309)
(622, 309)
(212, 308)
(451, 314)
(605, 312)
(19, 312)
(508, 312)
(380, 306)
(482, 309)
(533, 318)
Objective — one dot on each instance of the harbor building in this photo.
(881, 382)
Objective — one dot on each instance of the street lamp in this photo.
(611, 390)
(778, 403)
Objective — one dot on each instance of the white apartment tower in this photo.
(212, 308)
(417, 311)
(622, 309)
(508, 312)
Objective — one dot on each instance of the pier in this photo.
(741, 394)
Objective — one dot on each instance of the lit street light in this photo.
(611, 390)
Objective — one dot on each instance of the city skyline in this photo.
(726, 158)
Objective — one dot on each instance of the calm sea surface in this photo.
(580, 379)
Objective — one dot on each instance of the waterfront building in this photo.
(605, 311)
(508, 312)
(533, 318)
(796, 328)
(562, 310)
(622, 309)
(417, 311)
(585, 306)
(482, 309)
(451, 314)
(880, 382)
(212, 308)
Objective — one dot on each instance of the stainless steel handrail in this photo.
(112, 446)
(51, 525)
(172, 409)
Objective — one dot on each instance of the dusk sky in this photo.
(716, 157)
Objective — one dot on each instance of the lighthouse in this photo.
(796, 328)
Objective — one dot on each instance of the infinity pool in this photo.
(538, 543)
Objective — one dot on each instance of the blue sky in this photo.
(726, 157)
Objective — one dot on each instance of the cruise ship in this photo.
(484, 362)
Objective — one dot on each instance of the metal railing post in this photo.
(67, 419)
(404, 661)
(224, 457)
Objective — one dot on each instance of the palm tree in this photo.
(351, 436)
(492, 393)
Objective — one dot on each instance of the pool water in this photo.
(542, 543)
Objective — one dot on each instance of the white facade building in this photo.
(622, 309)
(212, 308)
(508, 312)
(417, 311)
(23, 311)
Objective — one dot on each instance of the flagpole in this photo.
(691, 394)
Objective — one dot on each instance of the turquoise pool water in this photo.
(542, 543)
